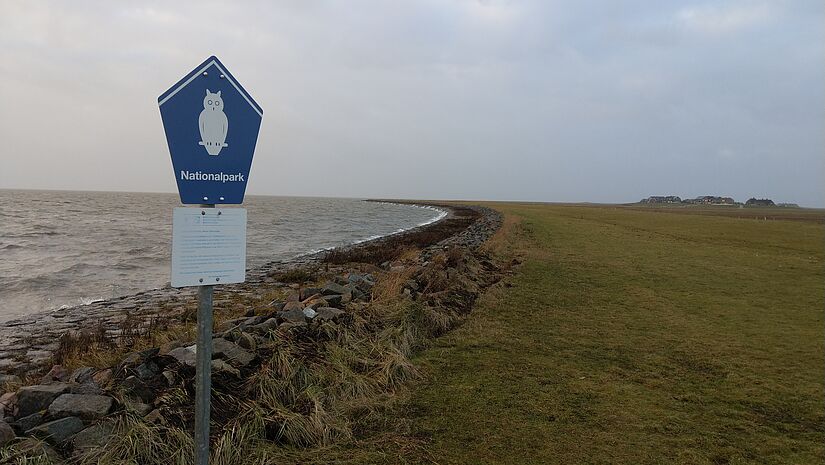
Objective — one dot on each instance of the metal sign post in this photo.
(211, 126)
(203, 372)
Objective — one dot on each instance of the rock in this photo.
(250, 312)
(247, 341)
(170, 378)
(8, 403)
(139, 408)
(294, 316)
(292, 324)
(229, 325)
(236, 355)
(57, 431)
(293, 297)
(85, 406)
(147, 370)
(92, 437)
(134, 387)
(334, 300)
(277, 305)
(85, 388)
(293, 305)
(139, 357)
(309, 291)
(221, 366)
(32, 399)
(155, 417)
(28, 422)
(253, 321)
(103, 377)
(328, 314)
(309, 313)
(82, 375)
(10, 382)
(6, 433)
(315, 303)
(57, 373)
(264, 327)
(184, 355)
(332, 288)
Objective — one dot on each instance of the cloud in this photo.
(726, 18)
(538, 100)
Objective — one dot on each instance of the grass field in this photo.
(636, 336)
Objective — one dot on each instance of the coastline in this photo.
(27, 344)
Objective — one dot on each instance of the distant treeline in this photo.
(714, 200)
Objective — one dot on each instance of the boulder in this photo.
(92, 437)
(334, 300)
(57, 373)
(293, 316)
(184, 355)
(136, 358)
(32, 399)
(85, 388)
(170, 377)
(8, 403)
(332, 288)
(57, 431)
(147, 370)
(309, 313)
(293, 305)
(6, 433)
(133, 386)
(309, 291)
(292, 324)
(102, 377)
(264, 327)
(246, 341)
(139, 408)
(82, 375)
(28, 422)
(251, 321)
(328, 314)
(84, 406)
(233, 353)
(293, 297)
(220, 366)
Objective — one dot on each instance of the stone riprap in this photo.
(65, 408)
(27, 344)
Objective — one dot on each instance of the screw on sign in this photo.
(211, 126)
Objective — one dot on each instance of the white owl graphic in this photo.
(213, 124)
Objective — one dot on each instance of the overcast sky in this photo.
(545, 100)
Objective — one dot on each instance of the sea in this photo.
(62, 249)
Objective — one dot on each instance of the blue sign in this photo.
(211, 126)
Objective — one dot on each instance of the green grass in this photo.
(634, 336)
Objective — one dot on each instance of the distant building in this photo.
(711, 200)
(662, 199)
(754, 202)
(788, 205)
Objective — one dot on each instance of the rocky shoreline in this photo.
(28, 343)
(436, 267)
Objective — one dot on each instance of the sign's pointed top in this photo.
(204, 68)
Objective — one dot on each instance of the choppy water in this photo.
(70, 248)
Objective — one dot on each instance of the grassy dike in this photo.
(635, 336)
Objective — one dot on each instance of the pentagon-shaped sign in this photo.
(211, 126)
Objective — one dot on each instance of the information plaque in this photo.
(208, 246)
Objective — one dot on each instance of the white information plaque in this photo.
(208, 246)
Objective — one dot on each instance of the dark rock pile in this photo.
(63, 408)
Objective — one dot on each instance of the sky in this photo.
(557, 101)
